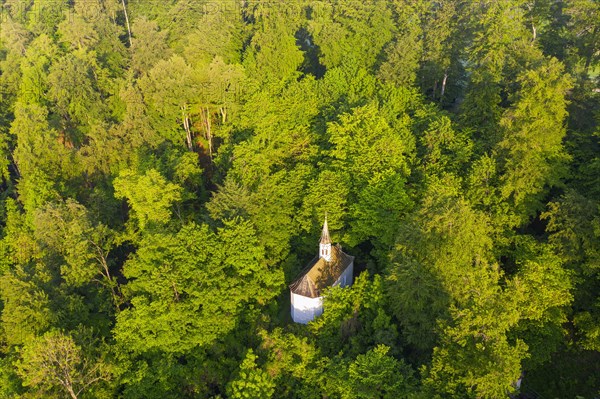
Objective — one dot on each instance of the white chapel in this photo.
(329, 268)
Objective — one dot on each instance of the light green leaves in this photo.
(188, 289)
(532, 150)
(376, 374)
(251, 381)
(150, 196)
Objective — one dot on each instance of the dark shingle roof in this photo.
(320, 274)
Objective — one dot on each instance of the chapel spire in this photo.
(325, 243)
(325, 234)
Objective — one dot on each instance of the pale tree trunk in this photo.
(206, 124)
(127, 21)
(444, 85)
(63, 363)
(208, 129)
(186, 126)
(102, 256)
(533, 28)
(71, 392)
(590, 55)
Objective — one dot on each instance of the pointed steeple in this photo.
(325, 239)
(325, 243)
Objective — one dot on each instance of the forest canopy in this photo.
(166, 166)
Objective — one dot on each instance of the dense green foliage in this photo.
(165, 167)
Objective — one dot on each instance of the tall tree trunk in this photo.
(590, 55)
(102, 259)
(533, 28)
(186, 125)
(127, 21)
(208, 129)
(444, 85)
(71, 392)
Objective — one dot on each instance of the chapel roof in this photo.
(320, 274)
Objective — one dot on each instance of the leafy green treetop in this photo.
(251, 381)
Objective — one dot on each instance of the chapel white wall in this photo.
(305, 309)
(345, 278)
